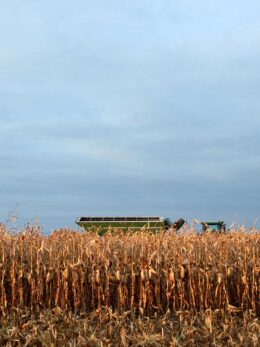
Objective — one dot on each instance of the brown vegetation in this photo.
(136, 288)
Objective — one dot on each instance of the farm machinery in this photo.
(104, 224)
(219, 226)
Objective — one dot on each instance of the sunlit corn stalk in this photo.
(153, 272)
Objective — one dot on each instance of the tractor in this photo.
(218, 227)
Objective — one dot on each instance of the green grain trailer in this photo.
(103, 224)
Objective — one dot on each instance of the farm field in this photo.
(136, 289)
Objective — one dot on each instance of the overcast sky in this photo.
(129, 108)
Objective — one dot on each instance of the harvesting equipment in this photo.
(103, 224)
(219, 226)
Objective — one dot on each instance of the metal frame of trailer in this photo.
(102, 224)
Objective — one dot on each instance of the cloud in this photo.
(129, 108)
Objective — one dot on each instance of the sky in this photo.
(129, 108)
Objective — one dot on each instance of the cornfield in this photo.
(140, 289)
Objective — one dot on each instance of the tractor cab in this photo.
(219, 226)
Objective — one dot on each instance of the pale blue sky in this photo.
(129, 108)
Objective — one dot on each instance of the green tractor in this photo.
(218, 227)
(103, 224)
